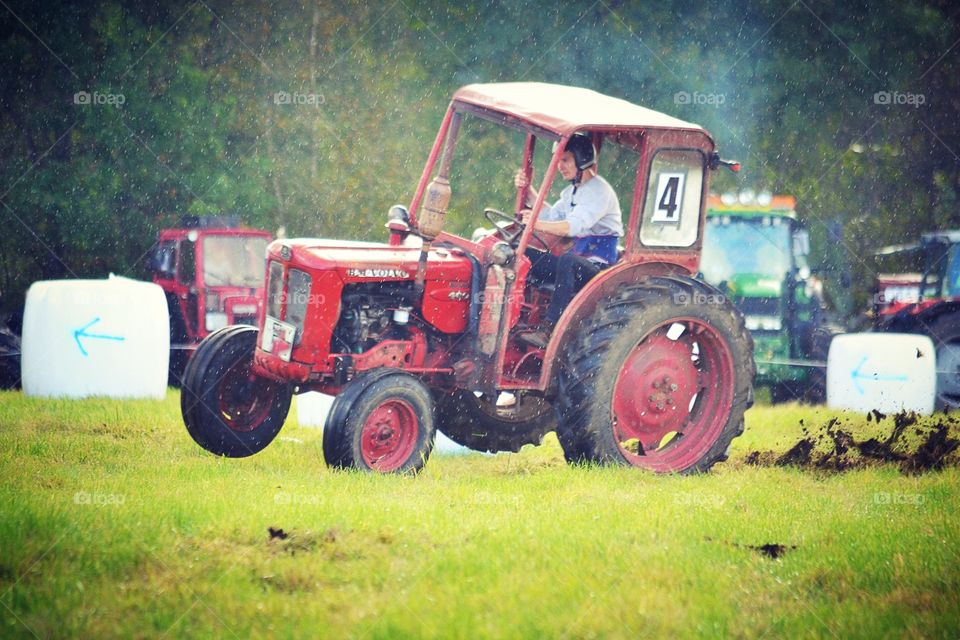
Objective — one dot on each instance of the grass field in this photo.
(114, 523)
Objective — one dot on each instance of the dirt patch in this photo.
(770, 550)
(832, 448)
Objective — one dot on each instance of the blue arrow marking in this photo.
(856, 375)
(82, 333)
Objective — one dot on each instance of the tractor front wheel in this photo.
(658, 378)
(382, 421)
(228, 410)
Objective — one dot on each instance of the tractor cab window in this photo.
(671, 213)
(738, 250)
(187, 269)
(237, 261)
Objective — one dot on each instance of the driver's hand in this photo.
(520, 180)
(525, 216)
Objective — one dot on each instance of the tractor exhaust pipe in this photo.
(435, 203)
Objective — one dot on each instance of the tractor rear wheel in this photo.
(228, 410)
(945, 333)
(659, 378)
(382, 421)
(478, 423)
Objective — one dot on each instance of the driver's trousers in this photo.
(568, 273)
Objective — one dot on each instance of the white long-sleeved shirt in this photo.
(593, 211)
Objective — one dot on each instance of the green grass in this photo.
(114, 523)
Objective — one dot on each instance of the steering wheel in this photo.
(510, 236)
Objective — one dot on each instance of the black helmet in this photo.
(584, 154)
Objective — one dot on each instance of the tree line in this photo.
(118, 119)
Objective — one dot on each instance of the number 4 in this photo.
(669, 198)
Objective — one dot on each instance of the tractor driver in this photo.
(588, 213)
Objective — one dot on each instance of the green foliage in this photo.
(200, 130)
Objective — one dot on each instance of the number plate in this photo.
(278, 338)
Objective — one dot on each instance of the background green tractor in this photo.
(755, 250)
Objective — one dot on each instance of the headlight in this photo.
(275, 289)
(763, 323)
(216, 321)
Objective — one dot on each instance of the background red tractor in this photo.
(211, 270)
(927, 302)
(647, 366)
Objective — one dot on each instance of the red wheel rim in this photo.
(389, 435)
(673, 395)
(243, 399)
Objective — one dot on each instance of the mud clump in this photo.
(771, 550)
(932, 453)
(798, 455)
(834, 449)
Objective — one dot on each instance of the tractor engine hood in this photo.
(373, 261)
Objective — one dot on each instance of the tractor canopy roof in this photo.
(942, 237)
(565, 110)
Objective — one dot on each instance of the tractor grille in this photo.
(758, 306)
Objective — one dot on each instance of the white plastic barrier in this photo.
(313, 407)
(888, 372)
(95, 338)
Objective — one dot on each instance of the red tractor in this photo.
(647, 366)
(211, 270)
(928, 303)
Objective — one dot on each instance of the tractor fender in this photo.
(603, 285)
(937, 310)
(906, 322)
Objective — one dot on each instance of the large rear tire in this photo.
(659, 378)
(228, 410)
(479, 424)
(382, 421)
